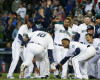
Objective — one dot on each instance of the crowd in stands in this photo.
(21, 11)
(14, 13)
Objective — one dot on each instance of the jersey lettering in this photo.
(41, 35)
(83, 31)
(73, 46)
(64, 31)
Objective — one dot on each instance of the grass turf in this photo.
(16, 75)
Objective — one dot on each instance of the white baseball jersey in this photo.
(43, 38)
(74, 29)
(96, 44)
(21, 12)
(17, 49)
(73, 46)
(82, 28)
(83, 38)
(24, 31)
(61, 33)
(80, 61)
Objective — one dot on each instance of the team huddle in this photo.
(78, 45)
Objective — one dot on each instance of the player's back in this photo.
(42, 38)
(23, 31)
(74, 45)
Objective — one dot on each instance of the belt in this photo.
(88, 45)
(57, 44)
(36, 43)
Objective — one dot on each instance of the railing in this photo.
(4, 52)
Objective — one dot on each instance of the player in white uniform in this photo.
(21, 11)
(82, 53)
(18, 46)
(83, 27)
(61, 31)
(73, 28)
(98, 65)
(40, 42)
(91, 30)
(93, 69)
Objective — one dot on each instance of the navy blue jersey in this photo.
(97, 31)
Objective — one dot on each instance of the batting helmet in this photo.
(50, 30)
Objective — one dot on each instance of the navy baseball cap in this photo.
(90, 27)
(31, 20)
(97, 16)
(50, 30)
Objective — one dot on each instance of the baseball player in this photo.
(47, 59)
(61, 31)
(98, 65)
(93, 69)
(73, 27)
(40, 42)
(91, 30)
(81, 54)
(18, 46)
(83, 27)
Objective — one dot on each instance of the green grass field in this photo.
(16, 75)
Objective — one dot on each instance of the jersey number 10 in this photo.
(41, 35)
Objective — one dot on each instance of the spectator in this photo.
(2, 28)
(19, 19)
(82, 6)
(1, 7)
(1, 65)
(77, 12)
(7, 57)
(80, 18)
(24, 4)
(97, 25)
(62, 12)
(8, 31)
(29, 11)
(5, 18)
(55, 5)
(69, 6)
(15, 5)
(14, 33)
(26, 19)
(88, 6)
(97, 7)
(21, 11)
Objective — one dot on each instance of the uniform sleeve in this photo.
(82, 38)
(50, 44)
(22, 30)
(58, 26)
(69, 53)
(17, 11)
(79, 29)
(20, 33)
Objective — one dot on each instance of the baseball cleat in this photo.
(10, 77)
(57, 76)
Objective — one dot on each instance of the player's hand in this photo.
(59, 66)
(48, 3)
(73, 36)
(41, 12)
(37, 70)
(34, 60)
(52, 70)
(26, 39)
